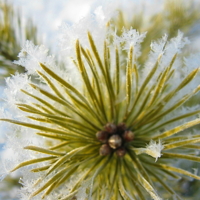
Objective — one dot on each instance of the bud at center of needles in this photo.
(114, 139)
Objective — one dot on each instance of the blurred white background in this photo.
(48, 15)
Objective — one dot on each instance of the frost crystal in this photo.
(154, 149)
(130, 38)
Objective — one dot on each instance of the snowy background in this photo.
(48, 15)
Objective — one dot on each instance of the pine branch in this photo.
(176, 15)
(13, 33)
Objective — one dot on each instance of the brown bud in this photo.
(110, 128)
(121, 152)
(115, 141)
(128, 136)
(121, 127)
(104, 150)
(102, 136)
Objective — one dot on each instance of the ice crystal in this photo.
(153, 149)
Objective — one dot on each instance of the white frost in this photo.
(130, 38)
(153, 149)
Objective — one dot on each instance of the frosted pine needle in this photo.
(99, 138)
